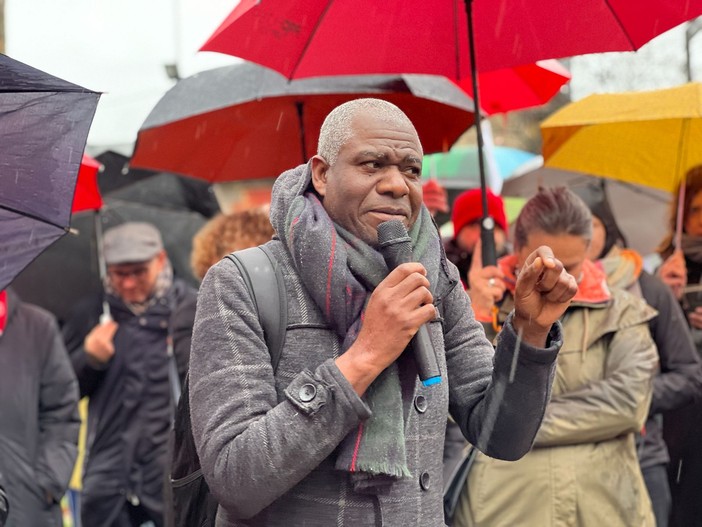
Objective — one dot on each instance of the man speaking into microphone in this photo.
(343, 431)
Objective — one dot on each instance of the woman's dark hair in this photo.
(595, 197)
(693, 185)
(554, 211)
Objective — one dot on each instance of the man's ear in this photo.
(161, 258)
(320, 169)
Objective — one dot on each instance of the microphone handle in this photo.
(427, 365)
(395, 253)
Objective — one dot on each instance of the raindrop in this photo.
(515, 356)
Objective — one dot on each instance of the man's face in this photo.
(376, 178)
(135, 282)
(571, 250)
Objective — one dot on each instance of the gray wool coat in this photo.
(267, 441)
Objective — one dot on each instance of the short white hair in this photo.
(337, 127)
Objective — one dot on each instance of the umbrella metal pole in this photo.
(487, 223)
(106, 316)
(303, 140)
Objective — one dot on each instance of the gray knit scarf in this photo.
(340, 271)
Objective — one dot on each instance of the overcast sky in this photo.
(121, 48)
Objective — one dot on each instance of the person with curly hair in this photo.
(226, 233)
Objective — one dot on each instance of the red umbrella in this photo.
(305, 38)
(519, 87)
(87, 195)
(248, 122)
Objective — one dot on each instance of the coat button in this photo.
(307, 392)
(420, 403)
(425, 481)
(142, 321)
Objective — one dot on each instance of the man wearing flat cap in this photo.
(122, 362)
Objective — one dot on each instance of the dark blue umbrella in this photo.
(44, 123)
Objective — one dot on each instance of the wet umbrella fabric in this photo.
(248, 122)
(87, 195)
(520, 87)
(647, 137)
(350, 37)
(44, 123)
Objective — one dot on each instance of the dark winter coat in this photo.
(40, 422)
(267, 447)
(679, 381)
(682, 431)
(130, 409)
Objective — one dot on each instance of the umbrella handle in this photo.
(487, 241)
(105, 316)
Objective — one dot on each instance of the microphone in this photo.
(396, 248)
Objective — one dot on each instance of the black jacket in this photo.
(130, 409)
(40, 422)
(680, 379)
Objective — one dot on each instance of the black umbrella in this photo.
(44, 123)
(69, 270)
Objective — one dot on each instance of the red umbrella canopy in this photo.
(305, 38)
(519, 87)
(244, 121)
(87, 195)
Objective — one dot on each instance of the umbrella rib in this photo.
(309, 40)
(33, 216)
(47, 90)
(619, 22)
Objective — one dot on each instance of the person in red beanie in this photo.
(466, 214)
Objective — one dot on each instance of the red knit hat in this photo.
(468, 208)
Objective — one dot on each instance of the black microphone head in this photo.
(391, 231)
(394, 243)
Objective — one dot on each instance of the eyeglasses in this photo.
(118, 275)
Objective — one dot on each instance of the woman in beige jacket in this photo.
(582, 469)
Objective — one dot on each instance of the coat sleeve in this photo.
(253, 448)
(497, 396)
(82, 320)
(680, 379)
(615, 405)
(59, 421)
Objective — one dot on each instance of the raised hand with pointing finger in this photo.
(543, 292)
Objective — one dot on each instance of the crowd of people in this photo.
(571, 378)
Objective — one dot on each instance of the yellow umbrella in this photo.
(651, 138)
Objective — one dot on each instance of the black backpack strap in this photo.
(264, 279)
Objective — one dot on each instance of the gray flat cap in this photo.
(131, 242)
